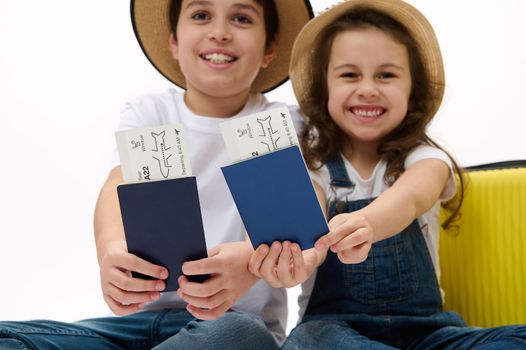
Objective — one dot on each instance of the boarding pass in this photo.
(256, 134)
(153, 153)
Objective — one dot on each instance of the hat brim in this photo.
(151, 24)
(417, 25)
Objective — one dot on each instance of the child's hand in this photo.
(227, 263)
(350, 236)
(123, 293)
(284, 265)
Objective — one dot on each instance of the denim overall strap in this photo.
(338, 172)
(339, 178)
(397, 278)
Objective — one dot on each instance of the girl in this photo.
(369, 77)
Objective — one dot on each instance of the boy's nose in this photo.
(220, 32)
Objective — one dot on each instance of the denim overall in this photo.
(393, 296)
(390, 301)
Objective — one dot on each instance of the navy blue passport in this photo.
(163, 224)
(276, 199)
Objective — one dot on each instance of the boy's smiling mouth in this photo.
(218, 57)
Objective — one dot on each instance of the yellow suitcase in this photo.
(483, 260)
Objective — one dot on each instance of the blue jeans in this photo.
(339, 335)
(160, 330)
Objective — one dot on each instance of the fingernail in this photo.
(159, 286)
(275, 247)
(164, 274)
(263, 250)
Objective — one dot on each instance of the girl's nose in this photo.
(220, 32)
(368, 89)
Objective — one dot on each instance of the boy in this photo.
(224, 53)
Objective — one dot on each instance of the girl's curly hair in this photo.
(322, 137)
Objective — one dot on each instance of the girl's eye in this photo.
(350, 75)
(386, 75)
(242, 19)
(201, 16)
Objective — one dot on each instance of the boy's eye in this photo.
(201, 16)
(242, 19)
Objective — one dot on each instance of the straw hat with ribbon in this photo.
(150, 19)
(416, 24)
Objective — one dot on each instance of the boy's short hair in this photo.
(152, 26)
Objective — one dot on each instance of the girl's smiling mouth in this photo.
(367, 111)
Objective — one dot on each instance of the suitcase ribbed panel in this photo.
(483, 262)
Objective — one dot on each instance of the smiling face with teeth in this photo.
(369, 84)
(220, 48)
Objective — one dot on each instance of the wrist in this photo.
(106, 247)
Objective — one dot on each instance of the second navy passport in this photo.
(276, 199)
(163, 224)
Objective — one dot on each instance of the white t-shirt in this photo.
(221, 220)
(374, 186)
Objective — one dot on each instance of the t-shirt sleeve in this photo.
(322, 178)
(430, 152)
(138, 113)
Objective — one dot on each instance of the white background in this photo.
(68, 66)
